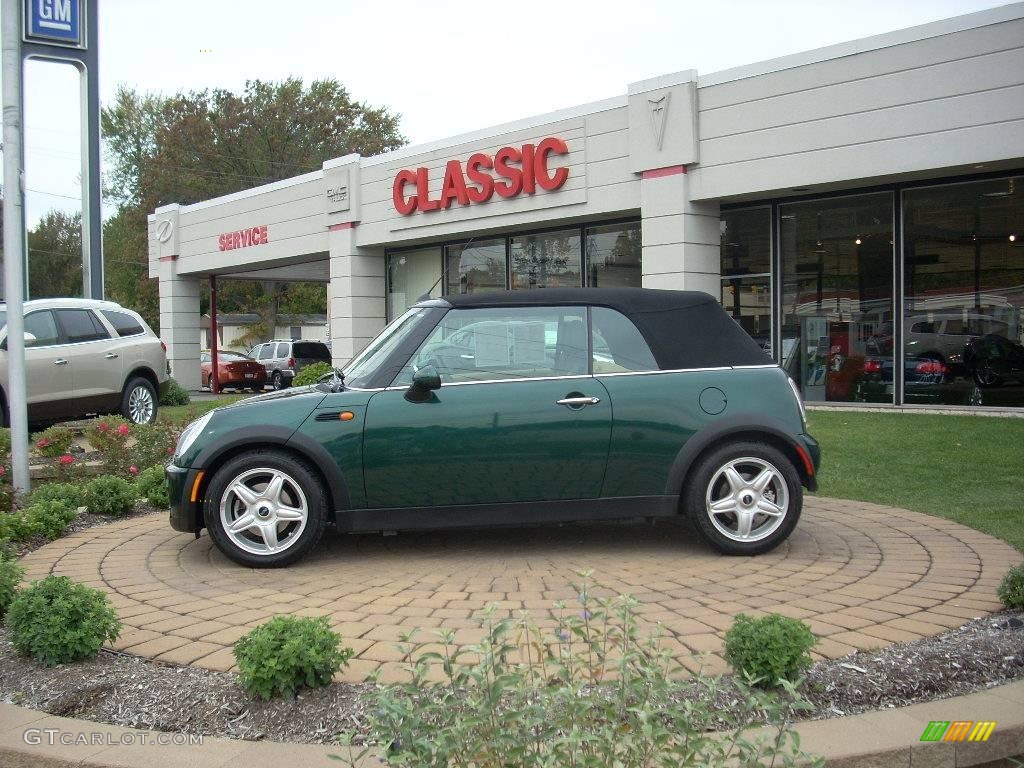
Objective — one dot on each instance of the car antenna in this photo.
(444, 268)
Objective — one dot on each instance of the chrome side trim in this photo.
(655, 373)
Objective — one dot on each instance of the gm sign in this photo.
(55, 22)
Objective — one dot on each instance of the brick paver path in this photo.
(861, 575)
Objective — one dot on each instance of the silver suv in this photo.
(283, 358)
(84, 356)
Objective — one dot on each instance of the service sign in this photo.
(510, 172)
(55, 22)
(243, 238)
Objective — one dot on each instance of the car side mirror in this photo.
(424, 381)
(30, 339)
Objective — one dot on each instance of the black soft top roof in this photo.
(684, 329)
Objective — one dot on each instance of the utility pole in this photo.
(14, 255)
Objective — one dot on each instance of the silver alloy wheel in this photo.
(263, 511)
(747, 499)
(140, 405)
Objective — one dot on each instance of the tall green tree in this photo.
(201, 144)
(55, 256)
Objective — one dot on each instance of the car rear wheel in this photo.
(138, 402)
(745, 498)
(278, 380)
(265, 509)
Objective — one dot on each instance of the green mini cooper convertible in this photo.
(510, 409)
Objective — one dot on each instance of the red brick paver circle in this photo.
(861, 575)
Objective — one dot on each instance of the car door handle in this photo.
(60, 361)
(578, 402)
(110, 355)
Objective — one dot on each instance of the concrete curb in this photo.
(883, 739)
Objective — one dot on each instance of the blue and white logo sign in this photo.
(55, 22)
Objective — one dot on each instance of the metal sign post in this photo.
(14, 254)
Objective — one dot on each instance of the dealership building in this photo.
(859, 209)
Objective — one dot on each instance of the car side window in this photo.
(618, 346)
(205, 358)
(282, 350)
(43, 327)
(123, 323)
(504, 343)
(81, 325)
(267, 352)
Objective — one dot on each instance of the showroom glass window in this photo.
(746, 249)
(411, 274)
(964, 285)
(545, 260)
(475, 267)
(837, 303)
(613, 256)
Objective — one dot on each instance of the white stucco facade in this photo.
(936, 101)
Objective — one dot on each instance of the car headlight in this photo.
(799, 401)
(190, 433)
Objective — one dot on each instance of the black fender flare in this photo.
(721, 429)
(287, 438)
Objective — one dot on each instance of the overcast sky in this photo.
(447, 66)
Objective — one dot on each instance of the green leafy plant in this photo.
(53, 442)
(56, 620)
(69, 494)
(287, 653)
(1011, 589)
(769, 649)
(109, 495)
(152, 485)
(175, 394)
(154, 443)
(596, 692)
(311, 373)
(16, 526)
(107, 432)
(50, 518)
(11, 574)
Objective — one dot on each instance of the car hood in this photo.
(311, 392)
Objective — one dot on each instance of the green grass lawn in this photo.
(964, 468)
(194, 410)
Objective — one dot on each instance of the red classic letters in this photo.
(510, 172)
(243, 238)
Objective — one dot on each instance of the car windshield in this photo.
(362, 367)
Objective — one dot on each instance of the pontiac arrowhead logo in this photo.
(659, 114)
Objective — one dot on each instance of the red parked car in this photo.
(233, 370)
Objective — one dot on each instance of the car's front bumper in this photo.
(184, 514)
(813, 450)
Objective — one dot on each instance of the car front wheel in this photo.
(138, 402)
(265, 509)
(744, 498)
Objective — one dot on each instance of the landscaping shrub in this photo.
(69, 494)
(56, 620)
(109, 495)
(53, 442)
(154, 443)
(152, 485)
(288, 652)
(5, 441)
(175, 394)
(594, 693)
(311, 373)
(1011, 589)
(49, 518)
(11, 574)
(106, 432)
(769, 649)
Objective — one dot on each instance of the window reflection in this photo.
(964, 278)
(613, 256)
(746, 249)
(412, 275)
(837, 257)
(547, 260)
(476, 267)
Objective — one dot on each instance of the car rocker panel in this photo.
(447, 419)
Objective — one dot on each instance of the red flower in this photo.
(3, 471)
(66, 460)
(133, 469)
(104, 426)
(170, 451)
(123, 430)
(42, 442)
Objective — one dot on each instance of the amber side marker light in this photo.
(346, 415)
(196, 483)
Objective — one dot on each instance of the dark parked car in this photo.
(994, 359)
(512, 408)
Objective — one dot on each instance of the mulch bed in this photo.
(129, 691)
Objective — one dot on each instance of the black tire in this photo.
(986, 375)
(707, 472)
(277, 381)
(298, 472)
(139, 392)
